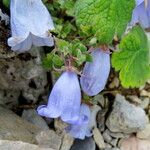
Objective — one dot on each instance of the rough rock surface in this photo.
(12, 127)
(19, 145)
(23, 74)
(32, 116)
(145, 133)
(126, 117)
(48, 138)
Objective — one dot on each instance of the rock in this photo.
(145, 93)
(145, 102)
(19, 145)
(114, 142)
(98, 138)
(106, 136)
(87, 144)
(103, 102)
(126, 117)
(94, 110)
(112, 149)
(117, 135)
(108, 146)
(67, 142)
(115, 83)
(101, 119)
(9, 98)
(12, 127)
(4, 17)
(24, 74)
(115, 149)
(134, 99)
(144, 134)
(60, 126)
(49, 139)
(32, 116)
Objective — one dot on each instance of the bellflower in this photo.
(95, 74)
(64, 100)
(81, 131)
(30, 25)
(138, 2)
(141, 14)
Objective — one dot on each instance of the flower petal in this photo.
(45, 112)
(65, 98)
(95, 74)
(29, 20)
(138, 2)
(141, 14)
(20, 44)
(82, 130)
(70, 97)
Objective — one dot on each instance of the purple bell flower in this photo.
(30, 25)
(83, 130)
(64, 100)
(95, 74)
(138, 2)
(141, 14)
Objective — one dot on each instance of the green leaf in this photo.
(105, 18)
(68, 5)
(47, 61)
(6, 3)
(63, 46)
(81, 58)
(78, 46)
(89, 58)
(57, 61)
(133, 58)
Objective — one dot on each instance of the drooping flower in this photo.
(141, 14)
(81, 131)
(30, 25)
(64, 100)
(138, 2)
(95, 74)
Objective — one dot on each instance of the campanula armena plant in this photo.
(87, 40)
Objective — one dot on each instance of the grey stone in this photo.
(87, 144)
(9, 98)
(106, 136)
(101, 100)
(145, 102)
(60, 126)
(32, 116)
(19, 145)
(4, 17)
(115, 149)
(13, 127)
(126, 117)
(98, 138)
(49, 139)
(67, 142)
(24, 73)
(114, 142)
(108, 146)
(145, 133)
(101, 119)
(94, 110)
(118, 135)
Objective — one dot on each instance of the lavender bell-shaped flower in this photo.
(95, 74)
(81, 131)
(64, 100)
(30, 25)
(141, 14)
